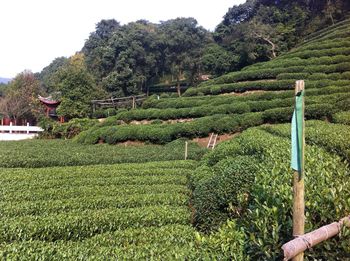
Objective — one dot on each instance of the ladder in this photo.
(212, 141)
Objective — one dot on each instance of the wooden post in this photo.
(298, 187)
(133, 102)
(186, 150)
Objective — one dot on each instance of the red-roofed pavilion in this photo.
(50, 107)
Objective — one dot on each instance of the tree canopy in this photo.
(123, 60)
(20, 97)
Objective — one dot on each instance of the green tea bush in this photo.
(195, 101)
(293, 76)
(320, 33)
(225, 193)
(318, 107)
(266, 220)
(47, 153)
(71, 129)
(265, 85)
(334, 138)
(342, 117)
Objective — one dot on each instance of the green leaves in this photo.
(48, 153)
(265, 178)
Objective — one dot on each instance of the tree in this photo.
(21, 98)
(47, 74)
(184, 41)
(136, 48)
(121, 82)
(99, 55)
(77, 88)
(217, 60)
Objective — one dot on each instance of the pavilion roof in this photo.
(48, 100)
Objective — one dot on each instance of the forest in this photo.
(143, 57)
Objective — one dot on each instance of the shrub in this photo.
(342, 117)
(267, 219)
(225, 193)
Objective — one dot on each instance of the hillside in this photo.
(322, 60)
(158, 210)
(261, 93)
(69, 199)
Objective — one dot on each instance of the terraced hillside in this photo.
(322, 60)
(261, 93)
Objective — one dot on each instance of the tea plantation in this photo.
(322, 60)
(78, 199)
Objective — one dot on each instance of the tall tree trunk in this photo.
(267, 39)
(330, 10)
(273, 47)
(178, 88)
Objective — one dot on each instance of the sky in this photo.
(34, 32)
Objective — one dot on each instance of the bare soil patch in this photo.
(249, 92)
(203, 142)
(144, 122)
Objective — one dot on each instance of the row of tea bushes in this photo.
(342, 117)
(202, 127)
(260, 85)
(323, 32)
(272, 73)
(123, 211)
(334, 138)
(226, 108)
(47, 153)
(297, 61)
(195, 101)
(258, 196)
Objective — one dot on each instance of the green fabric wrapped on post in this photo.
(297, 133)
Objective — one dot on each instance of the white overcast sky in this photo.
(34, 32)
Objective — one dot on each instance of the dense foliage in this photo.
(252, 178)
(259, 30)
(125, 211)
(239, 117)
(19, 99)
(142, 56)
(46, 153)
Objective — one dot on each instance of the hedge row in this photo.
(335, 138)
(259, 196)
(195, 101)
(169, 242)
(259, 85)
(327, 44)
(314, 76)
(212, 109)
(201, 127)
(340, 32)
(318, 53)
(48, 153)
(342, 117)
(340, 25)
(258, 74)
(297, 61)
(240, 87)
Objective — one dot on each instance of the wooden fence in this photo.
(130, 101)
